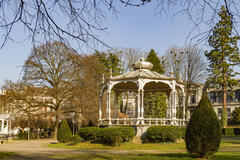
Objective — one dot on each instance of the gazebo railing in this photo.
(142, 121)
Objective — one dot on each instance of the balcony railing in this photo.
(141, 122)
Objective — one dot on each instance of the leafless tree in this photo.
(51, 65)
(128, 56)
(82, 20)
(188, 64)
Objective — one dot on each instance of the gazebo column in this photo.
(169, 110)
(138, 107)
(174, 109)
(109, 108)
(142, 107)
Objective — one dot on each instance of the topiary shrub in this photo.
(76, 139)
(64, 134)
(158, 134)
(89, 133)
(203, 133)
(111, 136)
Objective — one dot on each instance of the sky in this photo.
(133, 28)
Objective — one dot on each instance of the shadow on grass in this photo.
(5, 155)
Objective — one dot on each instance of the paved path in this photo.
(38, 150)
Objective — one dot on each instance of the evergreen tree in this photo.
(155, 105)
(203, 133)
(110, 61)
(64, 134)
(223, 57)
(153, 58)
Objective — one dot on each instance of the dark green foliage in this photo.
(223, 57)
(89, 133)
(111, 136)
(237, 131)
(128, 133)
(110, 61)
(155, 105)
(158, 134)
(203, 133)
(64, 132)
(235, 119)
(228, 131)
(76, 139)
(153, 58)
(90, 124)
(23, 136)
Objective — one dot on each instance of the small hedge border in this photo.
(159, 134)
(230, 131)
(113, 136)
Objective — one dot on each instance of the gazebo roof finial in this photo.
(142, 64)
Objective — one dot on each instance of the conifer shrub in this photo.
(89, 133)
(159, 134)
(203, 133)
(64, 134)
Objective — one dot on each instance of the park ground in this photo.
(50, 149)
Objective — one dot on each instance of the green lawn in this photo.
(229, 150)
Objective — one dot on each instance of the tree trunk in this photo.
(224, 109)
(56, 124)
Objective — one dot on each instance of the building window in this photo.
(229, 113)
(219, 112)
(193, 98)
(129, 103)
(213, 97)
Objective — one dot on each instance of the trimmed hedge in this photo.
(158, 134)
(76, 139)
(23, 136)
(113, 136)
(230, 131)
(89, 133)
(237, 131)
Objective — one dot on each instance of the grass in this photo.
(125, 146)
(229, 150)
(5, 155)
(164, 156)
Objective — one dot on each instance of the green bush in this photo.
(158, 134)
(228, 131)
(237, 131)
(128, 133)
(23, 136)
(89, 133)
(76, 139)
(111, 136)
(203, 133)
(64, 134)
